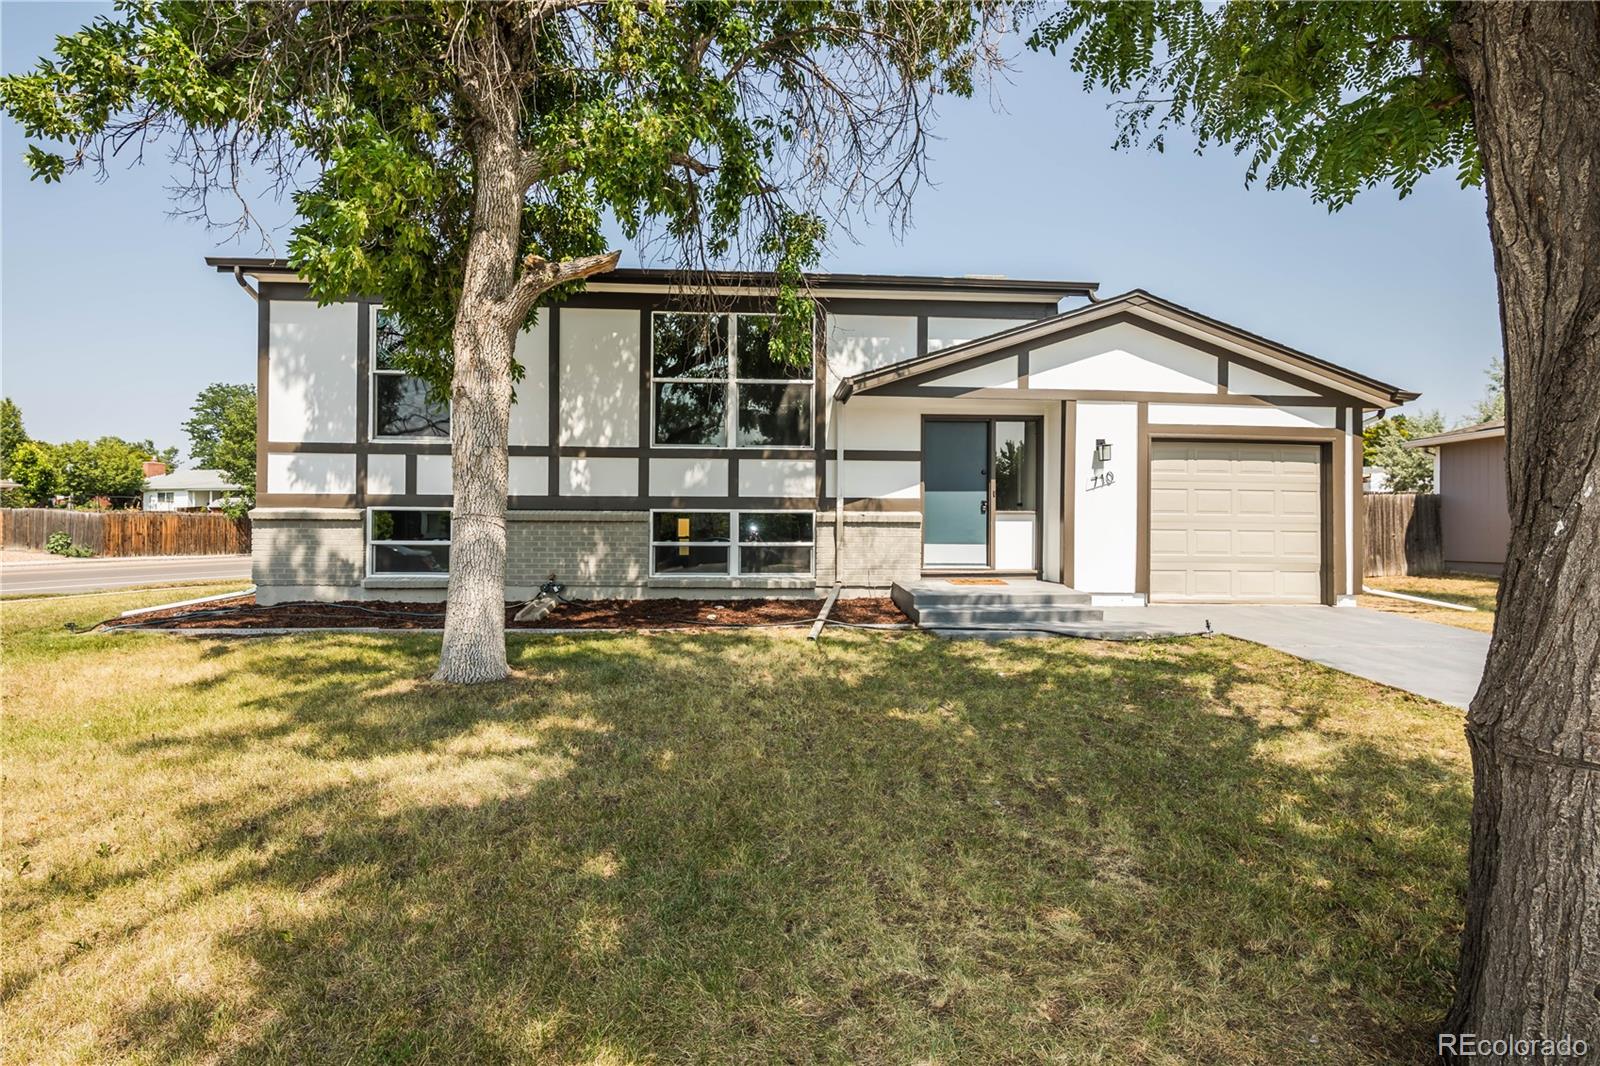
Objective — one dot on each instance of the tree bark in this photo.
(474, 648)
(1530, 953)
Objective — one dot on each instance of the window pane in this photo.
(1016, 466)
(388, 343)
(404, 410)
(782, 526)
(411, 558)
(774, 560)
(690, 525)
(689, 346)
(410, 525)
(756, 358)
(691, 560)
(775, 414)
(691, 413)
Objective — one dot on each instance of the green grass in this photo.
(726, 847)
(1472, 590)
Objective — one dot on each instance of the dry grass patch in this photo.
(1468, 589)
(718, 847)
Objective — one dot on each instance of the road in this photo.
(89, 575)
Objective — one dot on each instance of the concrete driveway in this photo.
(1440, 662)
(56, 575)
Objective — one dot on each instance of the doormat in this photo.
(976, 581)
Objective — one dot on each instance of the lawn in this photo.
(882, 848)
(1469, 589)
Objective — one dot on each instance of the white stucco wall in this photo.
(528, 475)
(530, 413)
(1248, 381)
(777, 477)
(311, 473)
(858, 343)
(1123, 358)
(999, 374)
(311, 372)
(433, 475)
(1199, 414)
(943, 332)
(598, 476)
(599, 378)
(688, 477)
(1106, 518)
(386, 475)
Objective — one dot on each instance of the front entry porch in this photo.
(1001, 607)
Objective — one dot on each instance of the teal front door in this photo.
(955, 494)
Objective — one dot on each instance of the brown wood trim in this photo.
(1222, 374)
(1283, 434)
(286, 499)
(1340, 573)
(1141, 571)
(1207, 399)
(411, 475)
(553, 429)
(647, 399)
(819, 400)
(364, 341)
(881, 455)
(1358, 516)
(1069, 491)
(873, 503)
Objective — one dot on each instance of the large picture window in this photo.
(401, 406)
(732, 544)
(716, 382)
(408, 541)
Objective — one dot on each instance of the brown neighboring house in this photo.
(1469, 474)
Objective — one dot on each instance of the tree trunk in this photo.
(486, 325)
(1530, 954)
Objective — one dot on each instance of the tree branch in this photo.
(540, 275)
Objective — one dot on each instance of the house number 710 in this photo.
(1100, 481)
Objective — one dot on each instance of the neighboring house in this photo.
(1128, 447)
(1469, 474)
(187, 490)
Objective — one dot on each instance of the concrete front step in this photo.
(1009, 614)
(1080, 630)
(916, 597)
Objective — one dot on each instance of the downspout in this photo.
(238, 275)
(841, 396)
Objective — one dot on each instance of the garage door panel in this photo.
(1235, 521)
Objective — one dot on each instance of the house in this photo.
(186, 490)
(1128, 447)
(1469, 474)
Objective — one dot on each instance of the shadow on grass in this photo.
(873, 849)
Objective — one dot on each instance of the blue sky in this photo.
(111, 323)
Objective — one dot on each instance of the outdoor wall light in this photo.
(1102, 451)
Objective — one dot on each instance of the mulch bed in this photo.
(242, 613)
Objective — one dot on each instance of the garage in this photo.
(1235, 521)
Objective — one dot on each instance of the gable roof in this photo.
(1481, 431)
(213, 480)
(1145, 305)
(625, 279)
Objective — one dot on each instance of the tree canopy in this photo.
(12, 433)
(733, 132)
(1333, 98)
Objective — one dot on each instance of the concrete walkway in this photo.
(1440, 662)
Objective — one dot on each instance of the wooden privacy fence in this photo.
(1403, 534)
(128, 532)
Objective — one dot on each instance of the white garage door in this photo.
(1235, 522)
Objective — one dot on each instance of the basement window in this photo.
(732, 543)
(408, 541)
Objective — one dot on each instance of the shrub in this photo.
(60, 543)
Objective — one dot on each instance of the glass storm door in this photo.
(955, 494)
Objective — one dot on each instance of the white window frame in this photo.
(730, 381)
(733, 543)
(372, 393)
(372, 545)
